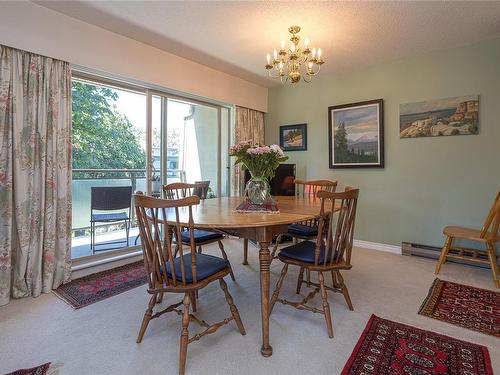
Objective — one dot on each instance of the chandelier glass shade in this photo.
(290, 64)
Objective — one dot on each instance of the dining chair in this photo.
(178, 190)
(306, 230)
(488, 235)
(330, 253)
(185, 273)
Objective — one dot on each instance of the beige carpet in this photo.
(100, 339)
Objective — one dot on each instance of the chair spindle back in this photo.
(312, 187)
(157, 237)
(178, 190)
(339, 226)
(493, 219)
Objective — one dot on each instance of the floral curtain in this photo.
(35, 173)
(249, 127)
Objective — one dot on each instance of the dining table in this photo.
(220, 214)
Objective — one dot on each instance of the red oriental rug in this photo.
(39, 370)
(98, 286)
(464, 306)
(391, 348)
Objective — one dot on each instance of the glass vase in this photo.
(257, 190)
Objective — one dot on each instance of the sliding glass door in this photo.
(131, 136)
(194, 139)
(109, 151)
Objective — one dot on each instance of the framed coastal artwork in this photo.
(356, 135)
(293, 137)
(435, 118)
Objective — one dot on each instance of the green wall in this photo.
(427, 183)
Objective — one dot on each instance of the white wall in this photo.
(31, 27)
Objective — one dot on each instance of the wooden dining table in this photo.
(219, 214)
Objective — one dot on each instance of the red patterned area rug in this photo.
(98, 286)
(391, 348)
(464, 306)
(39, 370)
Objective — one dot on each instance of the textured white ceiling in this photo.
(235, 36)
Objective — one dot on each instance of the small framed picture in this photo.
(293, 137)
(356, 135)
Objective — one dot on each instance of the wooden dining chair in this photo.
(306, 230)
(180, 190)
(185, 273)
(488, 236)
(330, 253)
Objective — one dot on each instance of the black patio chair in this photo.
(109, 198)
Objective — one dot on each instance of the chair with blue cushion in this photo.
(179, 190)
(306, 230)
(185, 273)
(330, 253)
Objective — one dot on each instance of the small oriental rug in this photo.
(464, 306)
(39, 370)
(391, 348)
(98, 286)
(270, 207)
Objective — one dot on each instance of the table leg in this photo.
(265, 261)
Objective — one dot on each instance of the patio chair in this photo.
(109, 198)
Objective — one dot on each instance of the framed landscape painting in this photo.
(435, 118)
(356, 135)
(293, 137)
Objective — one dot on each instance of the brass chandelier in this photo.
(294, 62)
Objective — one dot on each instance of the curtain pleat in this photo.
(249, 127)
(35, 174)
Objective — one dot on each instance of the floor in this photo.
(100, 339)
(80, 246)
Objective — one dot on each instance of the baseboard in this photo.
(378, 246)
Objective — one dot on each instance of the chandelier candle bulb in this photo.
(296, 61)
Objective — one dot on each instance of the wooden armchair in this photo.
(488, 236)
(180, 190)
(330, 253)
(185, 274)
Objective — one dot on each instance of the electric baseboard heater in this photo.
(433, 252)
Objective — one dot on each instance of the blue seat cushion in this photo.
(206, 265)
(303, 230)
(303, 251)
(110, 217)
(200, 236)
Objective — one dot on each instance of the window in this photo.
(114, 142)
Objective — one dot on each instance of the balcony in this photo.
(83, 180)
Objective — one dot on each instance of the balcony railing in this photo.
(84, 180)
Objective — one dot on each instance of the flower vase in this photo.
(257, 190)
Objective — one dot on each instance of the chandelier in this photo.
(294, 62)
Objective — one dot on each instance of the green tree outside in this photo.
(103, 138)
